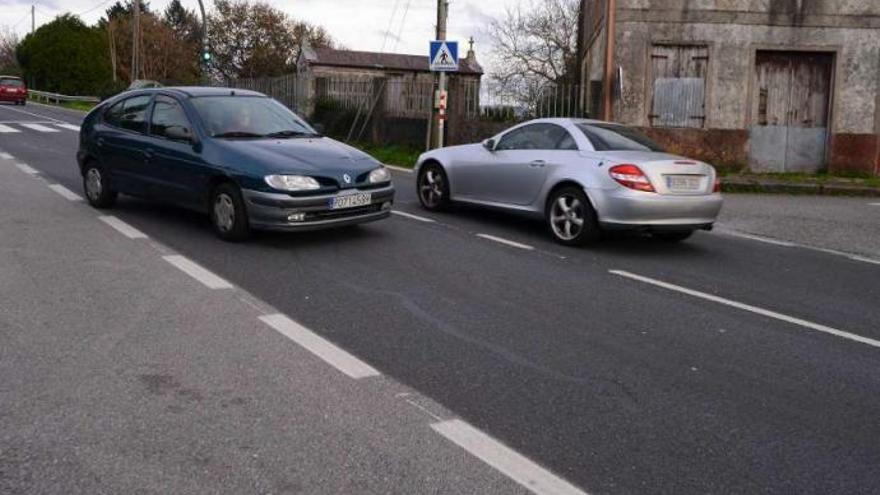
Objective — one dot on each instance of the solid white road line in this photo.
(6, 129)
(501, 457)
(873, 204)
(506, 241)
(413, 217)
(197, 272)
(69, 126)
(766, 240)
(65, 192)
(865, 260)
(750, 308)
(26, 169)
(6, 156)
(38, 127)
(25, 112)
(399, 169)
(123, 228)
(317, 345)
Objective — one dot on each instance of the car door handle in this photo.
(100, 142)
(538, 163)
(148, 155)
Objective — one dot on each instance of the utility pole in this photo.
(135, 39)
(442, 7)
(608, 80)
(204, 55)
(33, 21)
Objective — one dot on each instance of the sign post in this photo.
(442, 58)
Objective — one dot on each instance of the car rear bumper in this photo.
(12, 97)
(655, 212)
(271, 211)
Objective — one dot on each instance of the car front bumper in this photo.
(655, 212)
(271, 211)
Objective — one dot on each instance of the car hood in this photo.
(321, 156)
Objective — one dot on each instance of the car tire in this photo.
(228, 213)
(571, 218)
(432, 187)
(97, 188)
(672, 237)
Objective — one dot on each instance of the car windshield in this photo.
(233, 117)
(8, 81)
(610, 137)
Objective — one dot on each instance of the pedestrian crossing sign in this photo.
(443, 56)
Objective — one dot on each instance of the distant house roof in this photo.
(330, 57)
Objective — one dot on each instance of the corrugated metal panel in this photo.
(679, 90)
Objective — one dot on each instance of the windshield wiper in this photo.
(291, 133)
(238, 134)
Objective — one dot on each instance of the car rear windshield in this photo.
(9, 81)
(249, 117)
(610, 137)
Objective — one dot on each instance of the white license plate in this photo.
(350, 201)
(683, 182)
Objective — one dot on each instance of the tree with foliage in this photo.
(65, 56)
(8, 61)
(183, 22)
(253, 39)
(165, 57)
(535, 46)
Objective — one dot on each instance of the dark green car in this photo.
(241, 157)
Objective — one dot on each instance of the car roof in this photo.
(10, 77)
(196, 91)
(572, 120)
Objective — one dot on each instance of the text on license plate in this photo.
(684, 182)
(350, 201)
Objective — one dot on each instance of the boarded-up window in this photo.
(679, 85)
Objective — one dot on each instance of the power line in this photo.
(402, 22)
(92, 9)
(390, 22)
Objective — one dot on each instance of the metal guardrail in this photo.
(58, 98)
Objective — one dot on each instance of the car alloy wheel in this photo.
(224, 212)
(571, 218)
(433, 187)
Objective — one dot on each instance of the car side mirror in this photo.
(489, 144)
(179, 133)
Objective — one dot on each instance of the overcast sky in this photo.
(357, 24)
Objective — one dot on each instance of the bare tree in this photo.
(535, 47)
(8, 61)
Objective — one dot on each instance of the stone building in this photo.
(775, 85)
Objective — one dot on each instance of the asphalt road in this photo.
(724, 364)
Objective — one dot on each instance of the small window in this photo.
(167, 112)
(537, 137)
(679, 85)
(612, 137)
(113, 115)
(13, 82)
(134, 114)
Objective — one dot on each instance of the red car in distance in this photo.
(13, 89)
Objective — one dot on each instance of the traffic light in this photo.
(206, 56)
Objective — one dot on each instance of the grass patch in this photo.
(391, 154)
(843, 177)
(82, 106)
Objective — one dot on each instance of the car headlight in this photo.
(292, 182)
(379, 175)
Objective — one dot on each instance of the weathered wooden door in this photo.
(790, 107)
(679, 88)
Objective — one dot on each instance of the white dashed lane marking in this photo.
(413, 217)
(747, 307)
(319, 346)
(6, 129)
(507, 242)
(26, 169)
(506, 460)
(191, 268)
(6, 156)
(69, 127)
(39, 128)
(123, 228)
(65, 192)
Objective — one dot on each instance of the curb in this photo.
(746, 186)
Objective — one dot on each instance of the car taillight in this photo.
(632, 177)
(717, 187)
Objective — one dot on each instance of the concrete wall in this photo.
(734, 30)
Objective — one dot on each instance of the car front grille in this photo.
(347, 212)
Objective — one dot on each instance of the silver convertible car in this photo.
(581, 176)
